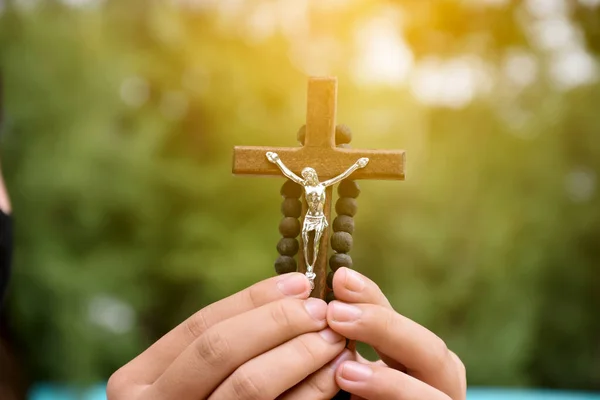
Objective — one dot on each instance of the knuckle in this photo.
(304, 348)
(253, 295)
(390, 321)
(280, 313)
(462, 373)
(116, 385)
(460, 365)
(246, 385)
(213, 349)
(440, 355)
(197, 324)
(321, 386)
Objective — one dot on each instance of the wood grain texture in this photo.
(328, 162)
(320, 113)
(319, 152)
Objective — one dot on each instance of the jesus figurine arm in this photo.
(274, 158)
(361, 163)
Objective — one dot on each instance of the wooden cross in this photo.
(320, 152)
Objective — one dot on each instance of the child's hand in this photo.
(415, 364)
(260, 343)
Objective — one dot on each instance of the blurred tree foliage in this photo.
(121, 116)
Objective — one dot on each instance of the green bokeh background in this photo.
(120, 122)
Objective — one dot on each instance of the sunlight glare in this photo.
(580, 184)
(590, 3)
(573, 67)
(554, 33)
(520, 67)
(383, 56)
(546, 8)
(453, 83)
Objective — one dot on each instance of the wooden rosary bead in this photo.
(341, 242)
(340, 260)
(291, 208)
(285, 264)
(289, 227)
(346, 206)
(288, 246)
(301, 134)
(348, 188)
(330, 279)
(343, 135)
(330, 297)
(343, 223)
(291, 190)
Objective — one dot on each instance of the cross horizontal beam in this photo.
(328, 162)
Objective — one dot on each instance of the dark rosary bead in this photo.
(340, 260)
(301, 134)
(348, 188)
(291, 190)
(288, 247)
(341, 242)
(330, 279)
(291, 208)
(285, 264)
(343, 223)
(289, 227)
(330, 297)
(346, 206)
(343, 134)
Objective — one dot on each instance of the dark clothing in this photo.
(6, 238)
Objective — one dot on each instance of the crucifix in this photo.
(316, 166)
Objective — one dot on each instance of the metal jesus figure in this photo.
(314, 192)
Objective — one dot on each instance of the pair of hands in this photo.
(271, 341)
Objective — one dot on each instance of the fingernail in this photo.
(344, 356)
(293, 284)
(343, 312)
(316, 308)
(356, 372)
(354, 281)
(331, 336)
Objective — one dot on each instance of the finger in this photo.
(423, 353)
(363, 360)
(381, 383)
(149, 365)
(224, 347)
(352, 287)
(321, 385)
(272, 373)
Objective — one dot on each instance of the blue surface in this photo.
(49, 392)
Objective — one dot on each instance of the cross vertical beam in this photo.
(320, 113)
(321, 105)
